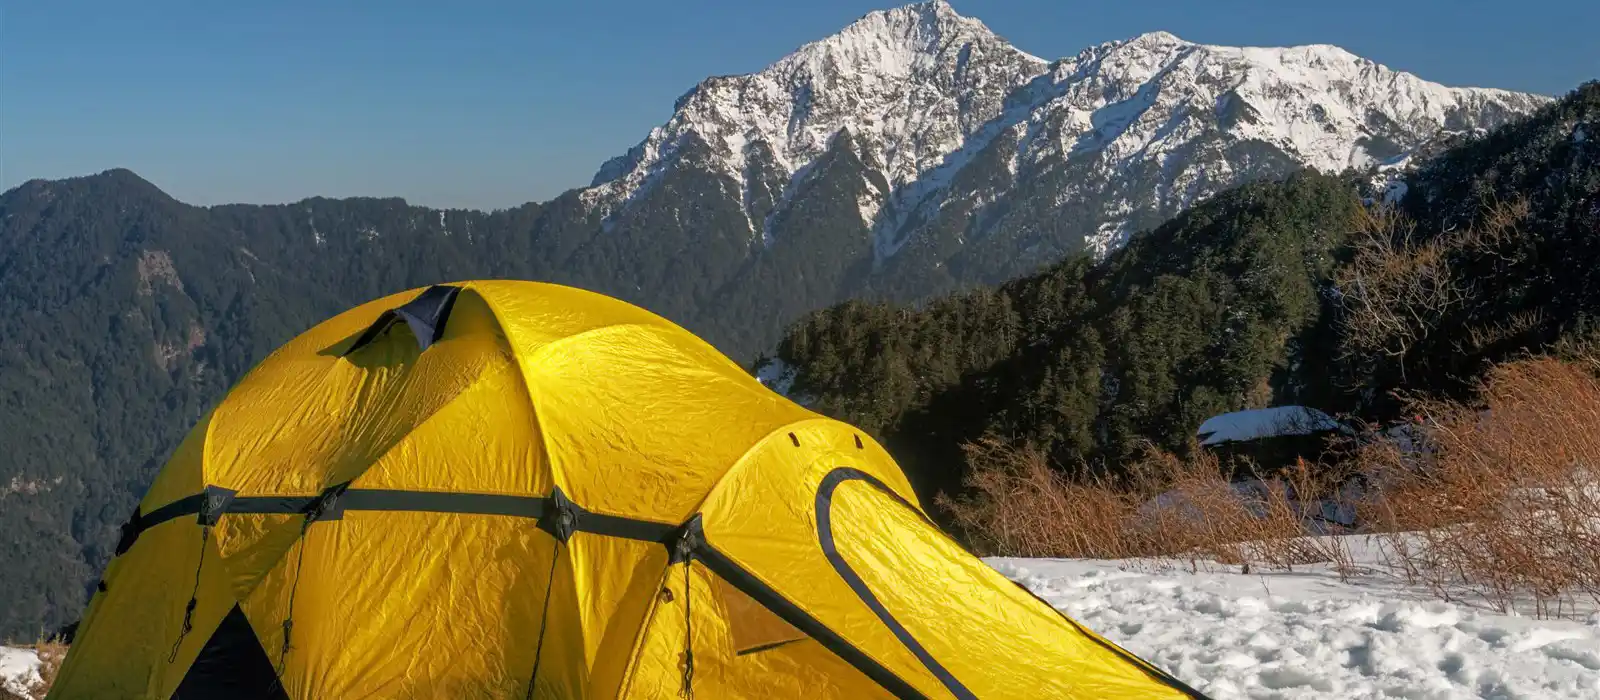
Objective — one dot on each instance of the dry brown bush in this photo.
(1164, 509)
(1499, 502)
(51, 654)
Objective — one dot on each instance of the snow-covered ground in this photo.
(1307, 634)
(19, 670)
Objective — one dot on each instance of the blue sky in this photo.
(491, 104)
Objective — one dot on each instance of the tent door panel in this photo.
(231, 666)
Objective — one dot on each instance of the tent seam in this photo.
(368, 467)
(544, 435)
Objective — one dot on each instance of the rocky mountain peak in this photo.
(912, 83)
(962, 134)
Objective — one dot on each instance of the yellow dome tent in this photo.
(522, 490)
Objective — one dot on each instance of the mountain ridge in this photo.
(1020, 95)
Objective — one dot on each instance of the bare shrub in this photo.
(1495, 502)
(1401, 288)
(51, 654)
(1397, 288)
(1020, 506)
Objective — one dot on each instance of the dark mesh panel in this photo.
(231, 666)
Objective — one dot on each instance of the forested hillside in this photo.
(1216, 309)
(1290, 292)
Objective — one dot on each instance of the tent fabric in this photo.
(533, 491)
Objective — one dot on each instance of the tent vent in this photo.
(794, 439)
(425, 315)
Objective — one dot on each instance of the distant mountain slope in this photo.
(1268, 294)
(1209, 312)
(913, 153)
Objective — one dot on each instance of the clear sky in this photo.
(491, 104)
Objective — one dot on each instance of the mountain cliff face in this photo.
(913, 153)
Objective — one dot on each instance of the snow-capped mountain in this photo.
(964, 138)
(913, 84)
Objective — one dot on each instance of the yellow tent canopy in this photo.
(521, 490)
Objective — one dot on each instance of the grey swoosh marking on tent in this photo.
(824, 531)
(825, 537)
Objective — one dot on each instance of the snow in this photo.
(1399, 162)
(316, 236)
(1304, 634)
(1309, 634)
(19, 669)
(1255, 496)
(1265, 422)
(868, 203)
(1108, 237)
(1395, 192)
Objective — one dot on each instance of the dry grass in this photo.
(1496, 502)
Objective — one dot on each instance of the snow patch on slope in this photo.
(1252, 424)
(1110, 236)
(868, 203)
